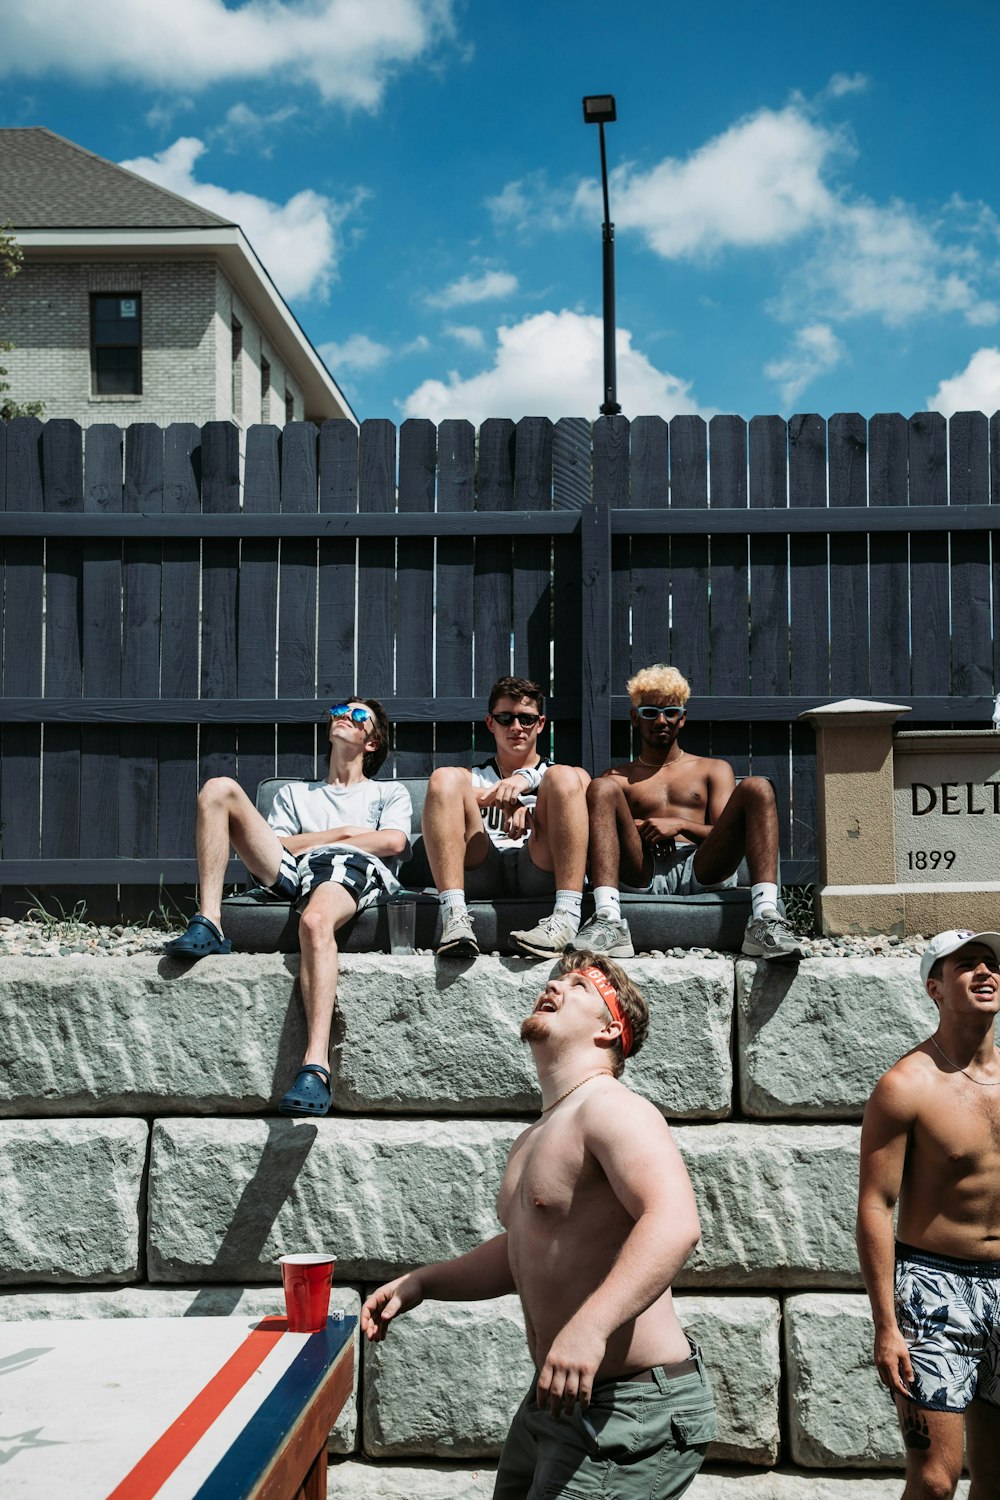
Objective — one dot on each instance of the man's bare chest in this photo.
(664, 794)
(960, 1134)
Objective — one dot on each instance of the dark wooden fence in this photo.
(164, 622)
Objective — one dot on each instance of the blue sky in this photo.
(806, 199)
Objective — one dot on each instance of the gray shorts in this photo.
(673, 874)
(636, 1440)
(299, 876)
(508, 872)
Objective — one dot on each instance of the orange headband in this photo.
(609, 995)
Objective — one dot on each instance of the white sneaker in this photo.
(458, 940)
(770, 937)
(605, 935)
(551, 937)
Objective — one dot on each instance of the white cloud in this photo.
(358, 352)
(815, 349)
(842, 84)
(976, 388)
(759, 183)
(297, 241)
(348, 49)
(552, 365)
(469, 289)
(244, 124)
(467, 334)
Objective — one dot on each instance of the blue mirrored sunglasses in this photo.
(672, 711)
(345, 711)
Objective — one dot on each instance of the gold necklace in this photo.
(977, 1081)
(601, 1073)
(653, 765)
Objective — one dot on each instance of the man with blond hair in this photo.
(598, 1218)
(672, 823)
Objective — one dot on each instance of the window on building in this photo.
(237, 385)
(265, 387)
(116, 344)
(289, 406)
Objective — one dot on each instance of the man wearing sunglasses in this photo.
(670, 823)
(331, 847)
(514, 826)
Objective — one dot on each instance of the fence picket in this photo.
(140, 675)
(337, 661)
(414, 743)
(571, 490)
(930, 629)
(101, 638)
(455, 561)
(62, 486)
(20, 766)
(492, 581)
(769, 629)
(889, 577)
(970, 576)
(257, 624)
(178, 773)
(848, 460)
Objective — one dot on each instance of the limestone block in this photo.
(227, 1197)
(814, 1038)
(185, 1302)
(446, 1381)
(840, 1415)
(786, 1484)
(354, 1481)
(96, 1036)
(415, 1036)
(739, 1339)
(776, 1202)
(99, 1035)
(71, 1193)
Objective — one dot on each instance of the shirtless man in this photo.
(673, 824)
(931, 1139)
(514, 826)
(599, 1218)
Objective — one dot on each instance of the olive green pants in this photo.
(635, 1441)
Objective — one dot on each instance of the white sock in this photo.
(764, 897)
(453, 903)
(569, 903)
(607, 902)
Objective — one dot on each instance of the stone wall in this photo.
(144, 1171)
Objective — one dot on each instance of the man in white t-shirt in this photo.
(513, 826)
(331, 847)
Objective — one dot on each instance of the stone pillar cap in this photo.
(850, 711)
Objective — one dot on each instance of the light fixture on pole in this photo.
(599, 109)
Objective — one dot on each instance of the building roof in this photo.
(47, 182)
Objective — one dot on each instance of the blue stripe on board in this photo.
(251, 1452)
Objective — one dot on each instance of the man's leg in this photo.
(452, 829)
(982, 1433)
(616, 853)
(934, 1443)
(748, 825)
(558, 844)
(225, 818)
(330, 905)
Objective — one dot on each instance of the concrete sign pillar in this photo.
(909, 826)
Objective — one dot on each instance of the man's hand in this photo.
(567, 1376)
(654, 831)
(388, 1302)
(505, 794)
(892, 1360)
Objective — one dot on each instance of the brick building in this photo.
(136, 305)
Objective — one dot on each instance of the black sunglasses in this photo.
(672, 711)
(505, 719)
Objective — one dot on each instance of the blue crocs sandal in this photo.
(310, 1094)
(201, 940)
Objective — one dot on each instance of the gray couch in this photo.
(257, 923)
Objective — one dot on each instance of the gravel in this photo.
(33, 939)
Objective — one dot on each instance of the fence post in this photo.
(595, 571)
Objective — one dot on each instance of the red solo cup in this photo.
(306, 1280)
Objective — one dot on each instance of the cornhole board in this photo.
(171, 1408)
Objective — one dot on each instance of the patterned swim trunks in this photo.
(948, 1311)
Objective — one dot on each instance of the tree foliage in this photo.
(11, 258)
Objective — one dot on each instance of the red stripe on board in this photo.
(159, 1462)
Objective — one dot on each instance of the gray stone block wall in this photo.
(143, 1168)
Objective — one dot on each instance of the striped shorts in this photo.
(299, 876)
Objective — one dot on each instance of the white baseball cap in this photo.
(947, 942)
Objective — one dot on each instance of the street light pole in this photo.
(599, 109)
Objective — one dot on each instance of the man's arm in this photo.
(630, 1140)
(483, 1272)
(383, 842)
(889, 1117)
